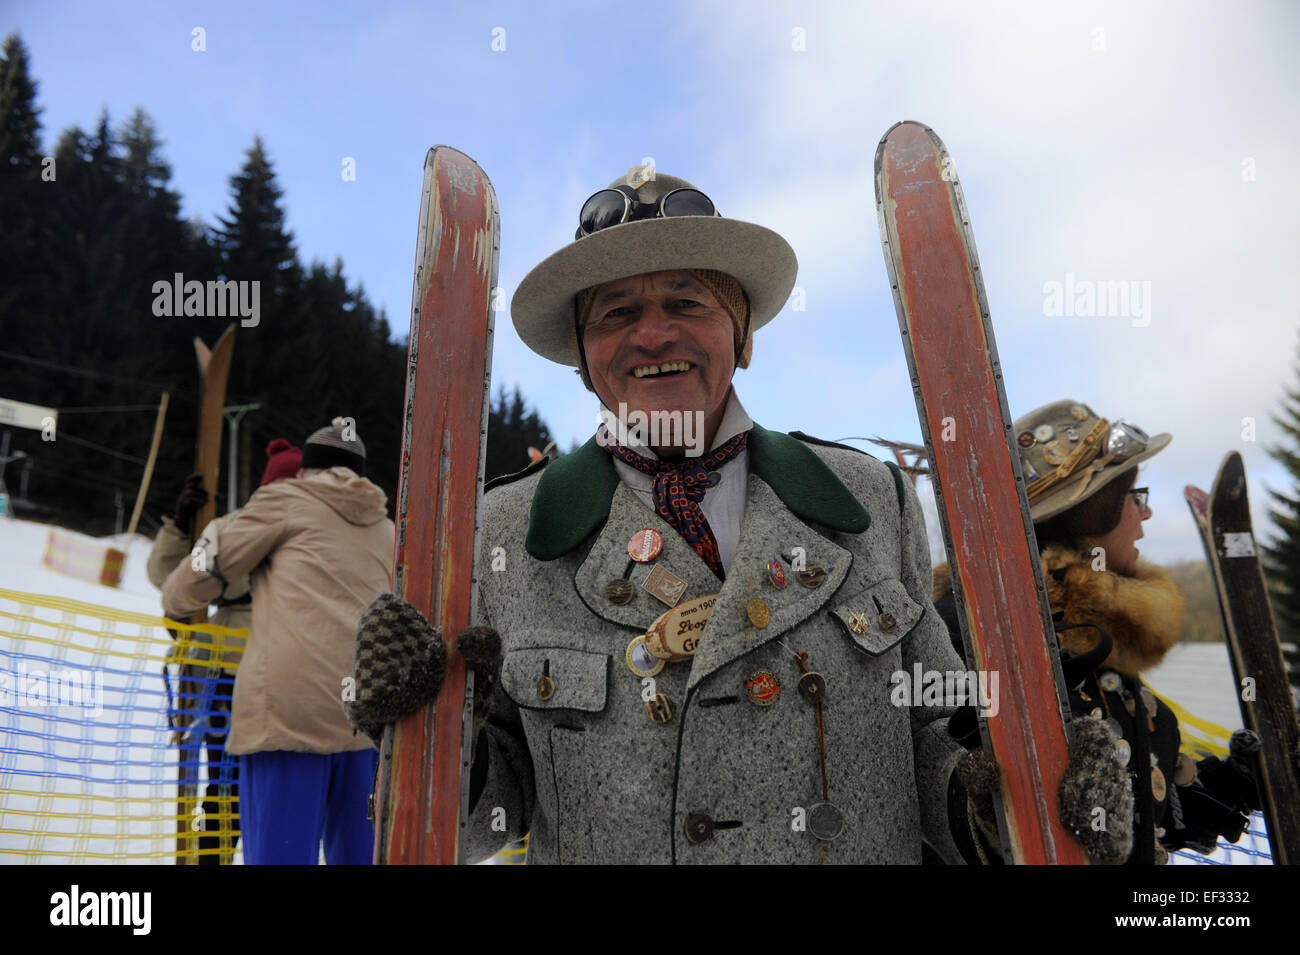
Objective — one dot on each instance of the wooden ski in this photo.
(214, 371)
(997, 577)
(1227, 533)
(424, 759)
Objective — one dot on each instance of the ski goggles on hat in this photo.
(611, 207)
(1125, 439)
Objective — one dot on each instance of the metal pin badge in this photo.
(763, 688)
(1044, 432)
(1158, 788)
(665, 586)
(811, 577)
(1055, 452)
(858, 623)
(640, 660)
(1124, 751)
(776, 574)
(758, 613)
(645, 545)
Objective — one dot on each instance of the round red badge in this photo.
(776, 574)
(763, 688)
(645, 545)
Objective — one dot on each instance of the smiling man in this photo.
(698, 621)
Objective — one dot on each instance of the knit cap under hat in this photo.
(328, 447)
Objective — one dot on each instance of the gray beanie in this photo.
(335, 446)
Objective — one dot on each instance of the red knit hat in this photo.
(283, 460)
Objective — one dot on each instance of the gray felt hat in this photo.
(1068, 453)
(759, 259)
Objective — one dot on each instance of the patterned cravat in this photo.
(679, 487)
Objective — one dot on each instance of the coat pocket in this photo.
(878, 617)
(556, 678)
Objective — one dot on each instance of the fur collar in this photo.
(1144, 614)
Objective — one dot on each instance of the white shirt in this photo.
(724, 503)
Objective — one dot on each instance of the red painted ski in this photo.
(422, 780)
(957, 379)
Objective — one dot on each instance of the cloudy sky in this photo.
(1144, 142)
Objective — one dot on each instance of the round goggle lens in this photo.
(686, 202)
(604, 209)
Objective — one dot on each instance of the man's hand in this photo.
(193, 496)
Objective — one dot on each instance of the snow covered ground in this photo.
(1197, 676)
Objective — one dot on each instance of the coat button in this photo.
(699, 827)
(758, 613)
(812, 686)
(659, 708)
(887, 622)
(545, 687)
(825, 821)
(618, 591)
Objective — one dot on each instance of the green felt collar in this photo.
(573, 496)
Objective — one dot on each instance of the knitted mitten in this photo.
(399, 665)
(1095, 780)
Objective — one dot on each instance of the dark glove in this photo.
(193, 496)
(978, 773)
(1232, 781)
(398, 667)
(1095, 779)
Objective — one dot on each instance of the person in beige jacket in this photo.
(317, 548)
(234, 609)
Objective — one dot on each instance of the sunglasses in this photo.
(1141, 495)
(611, 207)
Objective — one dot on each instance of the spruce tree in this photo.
(20, 125)
(1282, 554)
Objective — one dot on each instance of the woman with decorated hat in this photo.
(1116, 617)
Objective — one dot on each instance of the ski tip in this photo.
(1196, 499)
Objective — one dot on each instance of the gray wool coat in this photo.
(595, 780)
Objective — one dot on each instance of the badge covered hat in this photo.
(633, 227)
(1068, 452)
